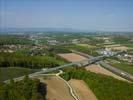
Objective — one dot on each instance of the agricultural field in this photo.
(13, 72)
(116, 47)
(121, 65)
(98, 69)
(104, 87)
(72, 57)
(90, 51)
(86, 45)
(57, 89)
(81, 89)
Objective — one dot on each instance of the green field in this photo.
(86, 45)
(104, 87)
(90, 51)
(124, 67)
(121, 65)
(12, 72)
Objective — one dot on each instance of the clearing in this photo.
(81, 89)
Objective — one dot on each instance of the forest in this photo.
(33, 62)
(104, 87)
(25, 89)
(14, 39)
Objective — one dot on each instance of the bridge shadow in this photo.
(42, 89)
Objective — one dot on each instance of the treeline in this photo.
(14, 39)
(104, 87)
(58, 49)
(25, 89)
(36, 62)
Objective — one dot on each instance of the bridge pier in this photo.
(81, 64)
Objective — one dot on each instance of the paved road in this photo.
(95, 59)
(107, 66)
(117, 71)
(90, 61)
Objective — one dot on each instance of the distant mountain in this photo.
(38, 30)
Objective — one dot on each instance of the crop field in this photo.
(13, 72)
(104, 87)
(86, 45)
(123, 66)
(81, 89)
(72, 57)
(116, 47)
(91, 51)
(57, 89)
(98, 69)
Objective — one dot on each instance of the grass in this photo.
(130, 45)
(90, 51)
(125, 67)
(86, 45)
(13, 72)
(121, 65)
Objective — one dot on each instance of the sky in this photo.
(97, 15)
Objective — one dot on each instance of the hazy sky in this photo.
(106, 15)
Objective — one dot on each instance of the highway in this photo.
(107, 66)
(116, 71)
(90, 61)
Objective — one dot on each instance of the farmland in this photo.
(72, 57)
(98, 69)
(81, 90)
(122, 65)
(104, 87)
(116, 47)
(57, 89)
(91, 81)
(86, 45)
(84, 49)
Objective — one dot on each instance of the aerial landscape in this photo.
(66, 50)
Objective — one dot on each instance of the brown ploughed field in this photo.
(57, 89)
(72, 57)
(81, 89)
(98, 69)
